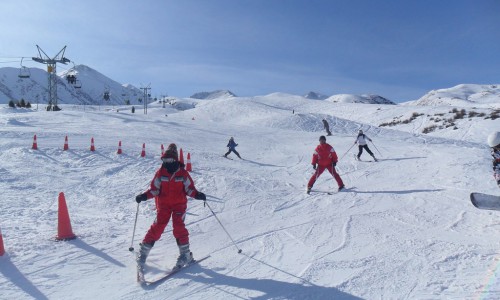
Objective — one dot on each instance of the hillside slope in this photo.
(403, 229)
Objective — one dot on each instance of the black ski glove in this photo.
(200, 196)
(334, 164)
(314, 166)
(140, 198)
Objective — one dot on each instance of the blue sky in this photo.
(397, 49)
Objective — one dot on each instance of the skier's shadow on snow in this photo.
(270, 288)
(401, 158)
(84, 246)
(12, 273)
(261, 164)
(398, 192)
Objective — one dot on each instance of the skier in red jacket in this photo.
(170, 186)
(324, 157)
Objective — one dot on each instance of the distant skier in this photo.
(232, 148)
(494, 143)
(170, 186)
(324, 157)
(361, 141)
(327, 127)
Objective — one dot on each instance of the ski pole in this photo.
(346, 152)
(376, 148)
(131, 248)
(239, 250)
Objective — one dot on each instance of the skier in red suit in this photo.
(170, 186)
(324, 157)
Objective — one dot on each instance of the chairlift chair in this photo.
(24, 72)
(78, 84)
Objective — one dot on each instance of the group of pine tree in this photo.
(20, 103)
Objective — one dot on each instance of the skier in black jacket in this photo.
(232, 148)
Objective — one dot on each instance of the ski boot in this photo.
(341, 187)
(142, 255)
(185, 256)
(374, 158)
(308, 190)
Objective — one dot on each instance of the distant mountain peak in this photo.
(315, 96)
(461, 95)
(213, 95)
(367, 99)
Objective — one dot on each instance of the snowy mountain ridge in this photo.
(462, 95)
(95, 85)
(213, 95)
(367, 99)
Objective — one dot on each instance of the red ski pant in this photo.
(180, 232)
(320, 170)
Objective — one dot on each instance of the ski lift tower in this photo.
(51, 69)
(146, 97)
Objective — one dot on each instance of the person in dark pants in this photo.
(327, 127)
(494, 143)
(232, 148)
(361, 141)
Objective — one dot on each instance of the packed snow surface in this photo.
(404, 228)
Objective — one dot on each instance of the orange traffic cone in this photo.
(35, 145)
(119, 148)
(2, 249)
(181, 156)
(189, 168)
(162, 150)
(64, 231)
(143, 152)
(92, 148)
(66, 143)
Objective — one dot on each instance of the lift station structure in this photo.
(51, 70)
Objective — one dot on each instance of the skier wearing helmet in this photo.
(494, 143)
(170, 186)
(324, 157)
(362, 144)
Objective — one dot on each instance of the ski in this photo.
(170, 273)
(485, 201)
(359, 159)
(227, 157)
(329, 192)
(323, 192)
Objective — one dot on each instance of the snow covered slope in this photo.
(93, 86)
(403, 229)
(464, 95)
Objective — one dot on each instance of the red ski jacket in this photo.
(171, 189)
(324, 155)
